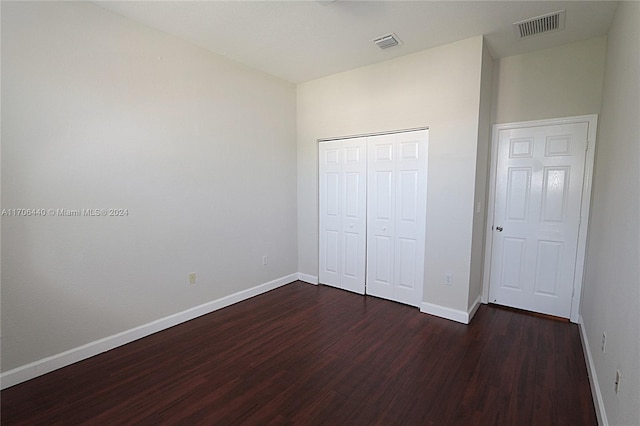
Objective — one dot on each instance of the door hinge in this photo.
(586, 145)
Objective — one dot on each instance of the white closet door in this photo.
(381, 216)
(396, 215)
(342, 217)
(411, 212)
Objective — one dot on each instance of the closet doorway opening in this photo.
(372, 214)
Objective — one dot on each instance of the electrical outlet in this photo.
(604, 341)
(448, 279)
(192, 278)
(264, 260)
(616, 385)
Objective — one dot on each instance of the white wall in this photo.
(439, 88)
(560, 82)
(481, 178)
(101, 112)
(611, 294)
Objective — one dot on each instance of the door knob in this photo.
(499, 228)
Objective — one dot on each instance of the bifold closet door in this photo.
(342, 213)
(396, 215)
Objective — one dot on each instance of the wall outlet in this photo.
(604, 341)
(448, 279)
(264, 259)
(616, 385)
(192, 278)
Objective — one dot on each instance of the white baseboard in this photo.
(598, 402)
(46, 365)
(450, 314)
(474, 308)
(311, 279)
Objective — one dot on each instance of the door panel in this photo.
(382, 258)
(354, 214)
(329, 216)
(513, 263)
(411, 205)
(408, 195)
(407, 263)
(331, 252)
(332, 194)
(518, 192)
(383, 205)
(351, 254)
(554, 193)
(342, 207)
(539, 179)
(396, 216)
(549, 259)
(352, 199)
(381, 216)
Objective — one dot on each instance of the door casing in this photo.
(592, 121)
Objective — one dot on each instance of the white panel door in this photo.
(342, 213)
(381, 216)
(539, 181)
(396, 216)
(411, 212)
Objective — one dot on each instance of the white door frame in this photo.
(590, 144)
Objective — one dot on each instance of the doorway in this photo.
(372, 214)
(538, 214)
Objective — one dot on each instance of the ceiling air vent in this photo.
(540, 24)
(387, 41)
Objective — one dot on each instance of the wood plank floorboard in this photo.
(304, 354)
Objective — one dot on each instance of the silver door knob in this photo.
(499, 228)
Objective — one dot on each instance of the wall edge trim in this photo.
(474, 308)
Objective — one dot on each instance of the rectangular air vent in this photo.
(387, 41)
(540, 24)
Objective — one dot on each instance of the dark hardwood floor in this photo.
(304, 354)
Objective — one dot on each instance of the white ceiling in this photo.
(304, 40)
